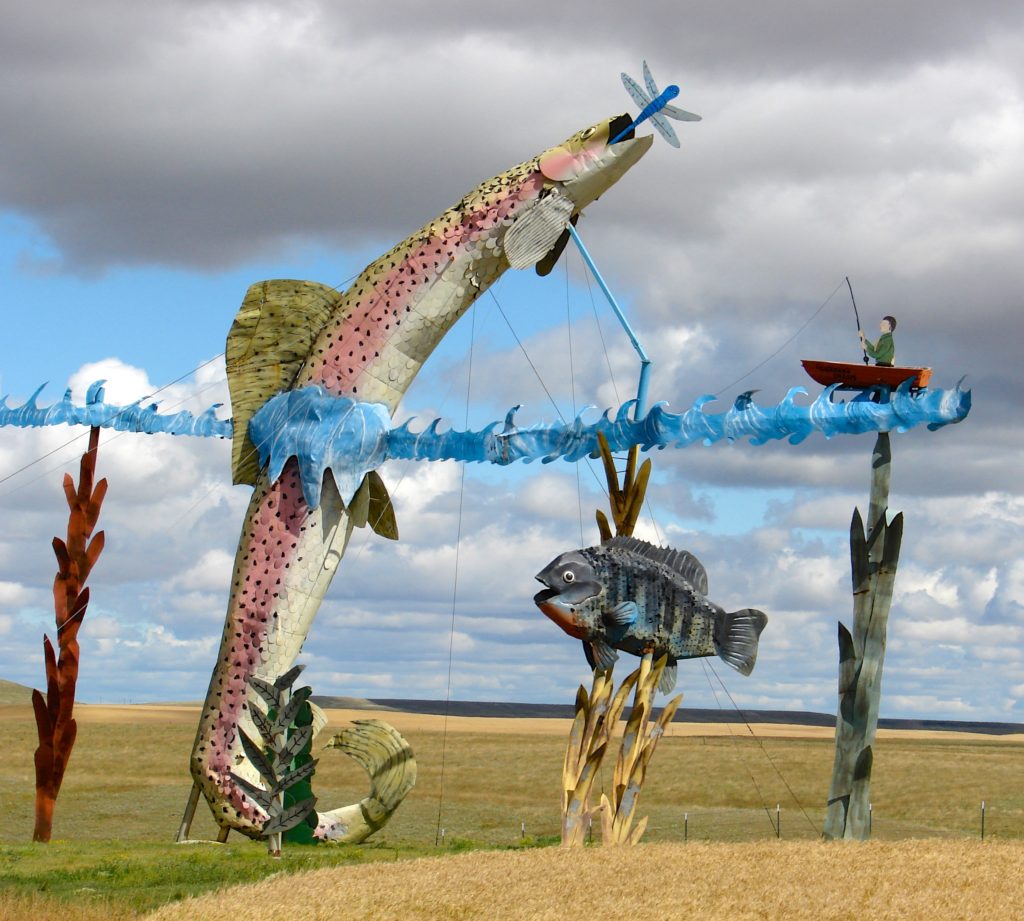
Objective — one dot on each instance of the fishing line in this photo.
(784, 344)
(455, 587)
(764, 751)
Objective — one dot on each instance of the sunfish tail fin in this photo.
(736, 636)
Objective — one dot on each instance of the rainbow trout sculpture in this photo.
(366, 344)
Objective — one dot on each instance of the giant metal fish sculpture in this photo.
(628, 594)
(367, 343)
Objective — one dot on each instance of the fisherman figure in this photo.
(883, 351)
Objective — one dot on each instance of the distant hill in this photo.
(11, 693)
(492, 710)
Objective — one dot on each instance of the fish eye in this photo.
(568, 576)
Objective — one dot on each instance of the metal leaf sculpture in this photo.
(874, 556)
(275, 760)
(55, 723)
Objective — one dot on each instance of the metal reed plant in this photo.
(598, 712)
(55, 722)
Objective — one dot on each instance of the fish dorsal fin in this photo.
(270, 339)
(681, 562)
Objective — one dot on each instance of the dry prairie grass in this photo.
(40, 907)
(128, 780)
(776, 880)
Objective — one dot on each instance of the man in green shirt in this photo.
(883, 351)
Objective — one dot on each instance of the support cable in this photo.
(764, 751)
(455, 589)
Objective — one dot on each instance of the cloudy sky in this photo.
(158, 158)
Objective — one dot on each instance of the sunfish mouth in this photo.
(544, 596)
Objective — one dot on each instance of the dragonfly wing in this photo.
(652, 87)
(679, 114)
(665, 129)
(634, 90)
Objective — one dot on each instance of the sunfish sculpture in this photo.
(628, 594)
(367, 343)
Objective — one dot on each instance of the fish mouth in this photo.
(618, 124)
(560, 613)
(544, 596)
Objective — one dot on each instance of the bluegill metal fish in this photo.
(628, 594)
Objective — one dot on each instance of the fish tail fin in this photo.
(736, 636)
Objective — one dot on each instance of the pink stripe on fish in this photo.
(267, 550)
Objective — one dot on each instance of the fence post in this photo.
(982, 820)
(778, 820)
(871, 818)
(522, 830)
(686, 827)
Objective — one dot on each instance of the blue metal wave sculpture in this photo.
(349, 438)
(133, 418)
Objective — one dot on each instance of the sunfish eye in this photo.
(568, 576)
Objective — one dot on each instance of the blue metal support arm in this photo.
(645, 362)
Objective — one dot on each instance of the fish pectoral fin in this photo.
(604, 656)
(546, 264)
(624, 614)
(381, 514)
(668, 678)
(371, 505)
(535, 233)
(589, 653)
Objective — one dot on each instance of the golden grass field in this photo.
(127, 783)
(802, 881)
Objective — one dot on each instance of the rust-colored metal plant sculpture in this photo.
(76, 556)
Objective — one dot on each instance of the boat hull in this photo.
(854, 376)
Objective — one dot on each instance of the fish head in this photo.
(570, 582)
(587, 164)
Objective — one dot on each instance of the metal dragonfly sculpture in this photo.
(654, 106)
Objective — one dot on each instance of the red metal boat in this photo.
(854, 376)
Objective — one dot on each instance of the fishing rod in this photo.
(857, 315)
